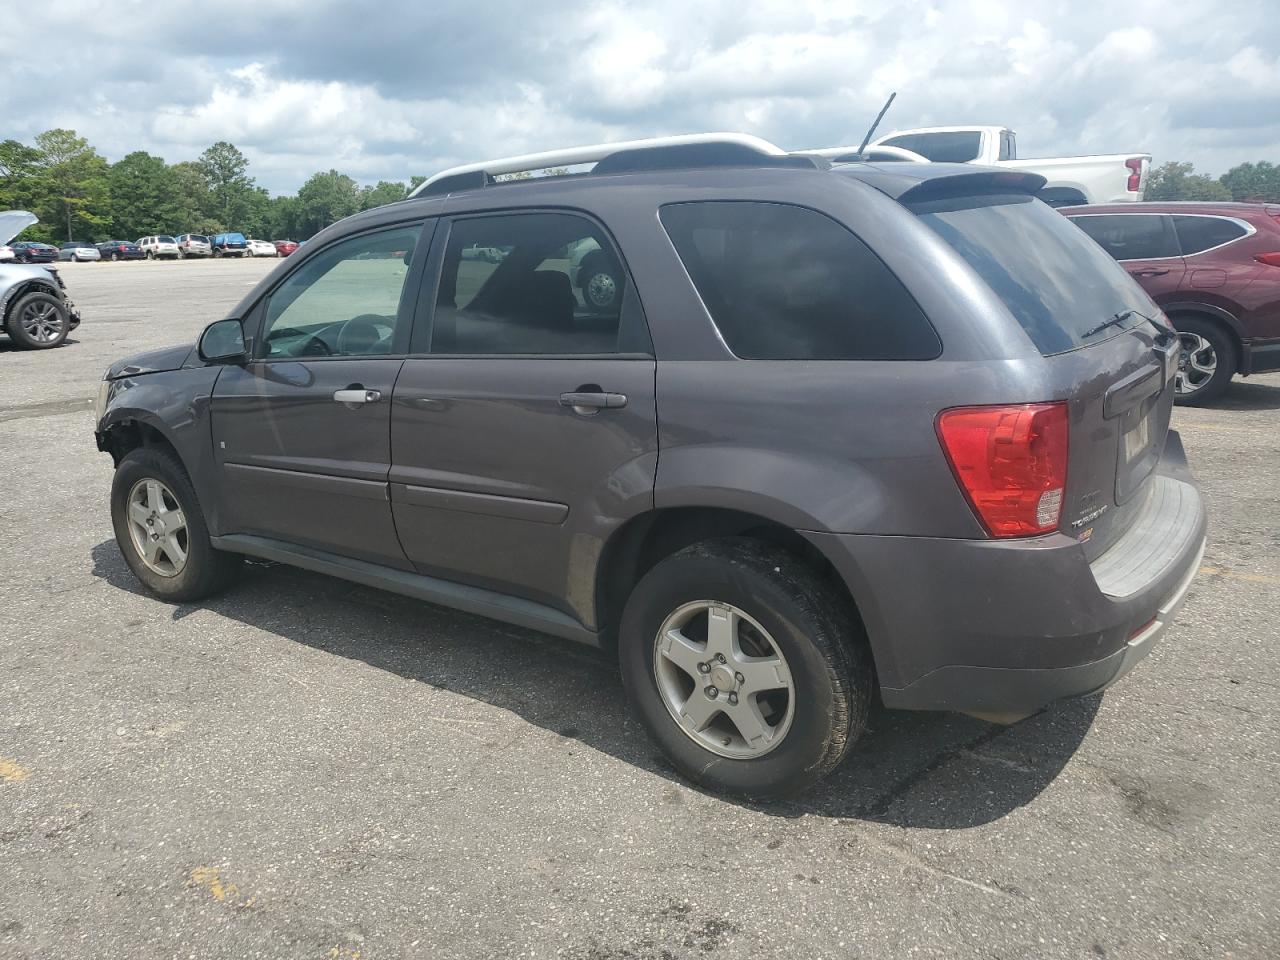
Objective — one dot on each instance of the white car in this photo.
(1110, 178)
(161, 246)
(262, 248)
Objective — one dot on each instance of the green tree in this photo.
(146, 197)
(197, 214)
(385, 192)
(325, 198)
(230, 186)
(1253, 181)
(18, 166)
(70, 183)
(1179, 181)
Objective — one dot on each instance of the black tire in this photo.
(115, 258)
(38, 300)
(207, 570)
(813, 630)
(151, 254)
(1225, 353)
(217, 252)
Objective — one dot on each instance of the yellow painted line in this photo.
(1247, 577)
(210, 879)
(10, 772)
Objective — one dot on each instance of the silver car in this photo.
(35, 312)
(194, 245)
(79, 250)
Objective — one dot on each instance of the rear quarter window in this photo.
(1054, 281)
(783, 282)
(1198, 234)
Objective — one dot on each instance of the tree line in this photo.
(79, 195)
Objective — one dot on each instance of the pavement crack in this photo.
(879, 808)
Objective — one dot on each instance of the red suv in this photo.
(1214, 268)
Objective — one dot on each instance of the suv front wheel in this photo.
(38, 321)
(160, 529)
(744, 667)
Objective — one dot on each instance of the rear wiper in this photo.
(1114, 321)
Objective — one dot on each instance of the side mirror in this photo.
(223, 342)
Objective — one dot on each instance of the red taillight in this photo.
(1011, 463)
(1270, 259)
(1135, 174)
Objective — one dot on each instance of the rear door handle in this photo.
(357, 395)
(590, 402)
(1151, 272)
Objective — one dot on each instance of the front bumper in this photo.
(1004, 627)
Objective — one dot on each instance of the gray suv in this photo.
(843, 430)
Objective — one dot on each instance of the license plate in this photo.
(1137, 439)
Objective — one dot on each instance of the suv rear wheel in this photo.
(1207, 361)
(160, 529)
(38, 321)
(744, 667)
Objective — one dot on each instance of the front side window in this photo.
(787, 283)
(343, 302)
(540, 284)
(1198, 234)
(1130, 236)
(957, 147)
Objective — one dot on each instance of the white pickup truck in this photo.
(1113, 178)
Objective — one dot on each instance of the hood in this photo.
(153, 361)
(13, 222)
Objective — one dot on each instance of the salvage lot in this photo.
(303, 767)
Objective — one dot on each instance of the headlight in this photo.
(100, 405)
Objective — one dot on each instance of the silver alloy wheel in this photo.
(42, 321)
(157, 527)
(601, 289)
(1197, 363)
(724, 680)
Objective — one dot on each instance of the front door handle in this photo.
(357, 395)
(590, 402)
(1151, 272)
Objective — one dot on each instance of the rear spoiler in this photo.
(974, 184)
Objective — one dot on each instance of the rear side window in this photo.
(786, 283)
(1130, 236)
(958, 147)
(1057, 284)
(1198, 234)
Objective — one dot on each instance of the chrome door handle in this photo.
(590, 402)
(357, 396)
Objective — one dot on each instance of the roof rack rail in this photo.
(870, 153)
(690, 149)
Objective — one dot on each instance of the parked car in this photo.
(193, 245)
(80, 250)
(164, 247)
(1110, 178)
(120, 250)
(284, 247)
(6, 252)
(914, 434)
(35, 311)
(261, 248)
(1214, 268)
(32, 251)
(230, 245)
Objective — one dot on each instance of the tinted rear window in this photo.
(787, 283)
(1197, 234)
(958, 147)
(1055, 282)
(1130, 236)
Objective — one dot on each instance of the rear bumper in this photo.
(1006, 627)
(1260, 356)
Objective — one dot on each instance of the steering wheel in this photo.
(360, 335)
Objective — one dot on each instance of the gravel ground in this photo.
(304, 768)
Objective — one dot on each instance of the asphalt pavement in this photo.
(306, 768)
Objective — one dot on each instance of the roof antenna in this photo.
(879, 117)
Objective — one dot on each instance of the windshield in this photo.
(959, 146)
(1057, 283)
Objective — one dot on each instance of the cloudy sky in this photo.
(382, 91)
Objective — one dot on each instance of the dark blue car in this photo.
(230, 245)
